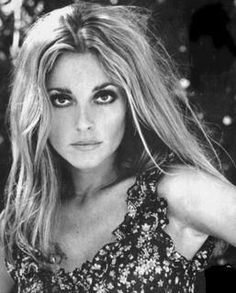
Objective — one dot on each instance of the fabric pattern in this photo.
(142, 259)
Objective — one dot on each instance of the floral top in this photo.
(141, 259)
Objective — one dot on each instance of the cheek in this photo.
(58, 130)
(114, 126)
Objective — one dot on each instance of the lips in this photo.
(85, 146)
(86, 143)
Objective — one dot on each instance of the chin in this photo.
(87, 163)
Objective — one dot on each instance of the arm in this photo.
(6, 283)
(200, 205)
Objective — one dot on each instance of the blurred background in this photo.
(200, 35)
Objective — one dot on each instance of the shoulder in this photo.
(187, 183)
(184, 176)
(180, 182)
(177, 187)
(200, 200)
(187, 190)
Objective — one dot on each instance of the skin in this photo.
(87, 107)
(199, 205)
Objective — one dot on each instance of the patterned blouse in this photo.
(142, 259)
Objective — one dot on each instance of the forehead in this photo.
(75, 68)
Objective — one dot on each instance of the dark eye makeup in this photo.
(101, 97)
(60, 100)
(105, 97)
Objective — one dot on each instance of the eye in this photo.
(105, 97)
(60, 100)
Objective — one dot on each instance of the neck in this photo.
(88, 182)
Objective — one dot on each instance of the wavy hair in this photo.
(159, 116)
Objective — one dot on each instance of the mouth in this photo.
(86, 145)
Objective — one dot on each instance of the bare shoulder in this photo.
(177, 187)
(186, 183)
(201, 201)
(6, 283)
(179, 183)
(176, 179)
(185, 177)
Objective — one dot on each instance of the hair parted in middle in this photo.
(133, 59)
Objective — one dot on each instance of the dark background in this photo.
(200, 35)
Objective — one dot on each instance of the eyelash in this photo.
(55, 97)
(104, 93)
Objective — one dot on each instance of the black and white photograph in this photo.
(117, 146)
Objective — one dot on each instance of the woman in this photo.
(111, 188)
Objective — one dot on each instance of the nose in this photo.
(83, 118)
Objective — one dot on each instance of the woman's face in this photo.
(88, 111)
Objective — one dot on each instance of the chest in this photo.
(78, 245)
(81, 234)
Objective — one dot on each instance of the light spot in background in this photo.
(183, 49)
(161, 1)
(3, 57)
(221, 262)
(200, 116)
(227, 120)
(114, 2)
(39, 8)
(185, 83)
(1, 139)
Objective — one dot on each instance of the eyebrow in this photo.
(103, 85)
(96, 88)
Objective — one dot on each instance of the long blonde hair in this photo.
(136, 61)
